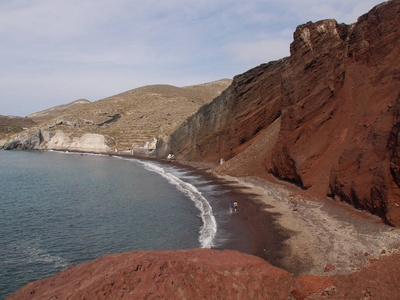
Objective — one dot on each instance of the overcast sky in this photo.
(56, 51)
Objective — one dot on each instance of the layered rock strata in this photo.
(337, 97)
(227, 125)
(340, 100)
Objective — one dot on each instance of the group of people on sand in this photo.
(233, 206)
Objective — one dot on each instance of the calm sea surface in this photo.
(59, 209)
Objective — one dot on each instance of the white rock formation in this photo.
(87, 142)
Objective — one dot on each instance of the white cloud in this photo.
(43, 18)
(60, 50)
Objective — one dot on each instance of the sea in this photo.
(59, 209)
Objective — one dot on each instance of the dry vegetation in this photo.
(132, 117)
(11, 125)
(53, 112)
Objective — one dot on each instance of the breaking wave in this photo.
(209, 228)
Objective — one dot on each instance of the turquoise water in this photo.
(60, 209)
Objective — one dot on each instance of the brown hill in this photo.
(53, 112)
(11, 124)
(135, 117)
(326, 118)
(130, 118)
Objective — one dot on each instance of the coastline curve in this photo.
(209, 229)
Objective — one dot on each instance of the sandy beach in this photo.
(318, 233)
(302, 235)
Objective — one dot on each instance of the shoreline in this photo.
(261, 224)
(298, 234)
(319, 237)
(325, 237)
(263, 227)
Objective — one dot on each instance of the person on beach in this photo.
(231, 207)
(235, 206)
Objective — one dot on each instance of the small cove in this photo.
(60, 209)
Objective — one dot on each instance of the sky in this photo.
(53, 52)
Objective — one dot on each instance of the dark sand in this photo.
(318, 232)
(298, 234)
(267, 237)
(253, 230)
(294, 233)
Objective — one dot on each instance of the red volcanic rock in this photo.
(229, 124)
(208, 274)
(173, 274)
(340, 111)
(334, 106)
(380, 280)
(329, 267)
(311, 285)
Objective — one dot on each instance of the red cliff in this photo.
(340, 101)
(326, 118)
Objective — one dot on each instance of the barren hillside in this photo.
(11, 124)
(53, 112)
(128, 119)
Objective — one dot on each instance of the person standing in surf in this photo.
(231, 207)
(235, 206)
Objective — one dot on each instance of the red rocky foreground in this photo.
(207, 274)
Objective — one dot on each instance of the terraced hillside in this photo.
(134, 117)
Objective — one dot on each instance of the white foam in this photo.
(209, 228)
(34, 254)
(39, 255)
(77, 153)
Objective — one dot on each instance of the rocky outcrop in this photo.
(88, 142)
(27, 141)
(59, 140)
(173, 274)
(206, 274)
(229, 124)
(340, 105)
(337, 97)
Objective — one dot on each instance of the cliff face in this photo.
(36, 139)
(226, 126)
(340, 100)
(337, 100)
